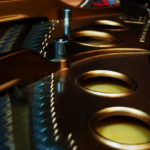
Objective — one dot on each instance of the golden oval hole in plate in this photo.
(94, 38)
(106, 83)
(109, 25)
(121, 128)
(124, 130)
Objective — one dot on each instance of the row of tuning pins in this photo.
(36, 35)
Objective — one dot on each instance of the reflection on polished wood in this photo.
(72, 3)
(52, 9)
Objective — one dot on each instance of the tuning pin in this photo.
(67, 18)
(60, 48)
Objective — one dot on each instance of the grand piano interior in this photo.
(74, 75)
